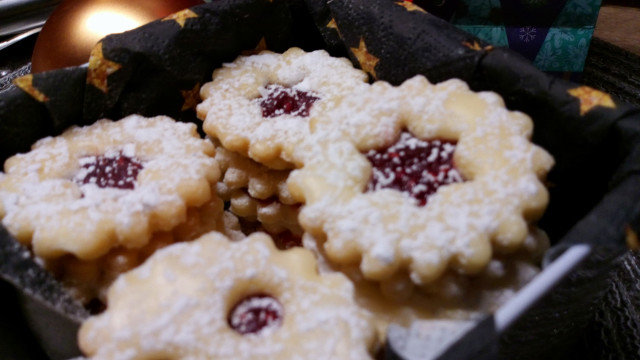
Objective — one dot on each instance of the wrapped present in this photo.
(554, 35)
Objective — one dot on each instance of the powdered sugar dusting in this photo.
(71, 195)
(414, 166)
(152, 316)
(256, 314)
(384, 229)
(232, 110)
(109, 170)
(277, 100)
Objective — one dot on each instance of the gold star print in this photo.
(367, 61)
(262, 45)
(476, 46)
(191, 97)
(181, 17)
(410, 6)
(332, 25)
(100, 68)
(632, 238)
(590, 98)
(26, 84)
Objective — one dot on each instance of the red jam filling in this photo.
(255, 314)
(280, 100)
(109, 171)
(413, 166)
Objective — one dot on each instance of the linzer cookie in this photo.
(111, 184)
(260, 105)
(274, 216)
(88, 280)
(216, 299)
(239, 172)
(397, 300)
(458, 179)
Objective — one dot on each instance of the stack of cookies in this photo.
(349, 206)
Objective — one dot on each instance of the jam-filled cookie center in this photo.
(109, 171)
(414, 166)
(279, 100)
(255, 314)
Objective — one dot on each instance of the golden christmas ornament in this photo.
(76, 26)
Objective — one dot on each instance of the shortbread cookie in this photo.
(260, 105)
(209, 217)
(402, 307)
(453, 295)
(271, 214)
(241, 173)
(216, 299)
(459, 178)
(486, 291)
(110, 184)
(88, 280)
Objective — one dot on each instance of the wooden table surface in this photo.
(620, 26)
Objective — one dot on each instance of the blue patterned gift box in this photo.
(553, 34)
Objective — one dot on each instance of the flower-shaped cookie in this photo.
(88, 280)
(260, 105)
(455, 176)
(241, 173)
(110, 184)
(397, 301)
(274, 216)
(216, 299)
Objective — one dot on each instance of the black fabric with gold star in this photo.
(595, 139)
(25, 118)
(167, 56)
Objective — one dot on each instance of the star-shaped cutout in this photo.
(476, 46)
(191, 97)
(262, 46)
(590, 98)
(410, 6)
(367, 61)
(100, 68)
(26, 84)
(632, 238)
(181, 16)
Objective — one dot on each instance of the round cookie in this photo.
(453, 295)
(216, 299)
(106, 185)
(455, 178)
(88, 280)
(260, 105)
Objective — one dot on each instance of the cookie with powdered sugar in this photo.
(88, 280)
(272, 215)
(239, 172)
(454, 178)
(398, 301)
(217, 299)
(107, 185)
(260, 105)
